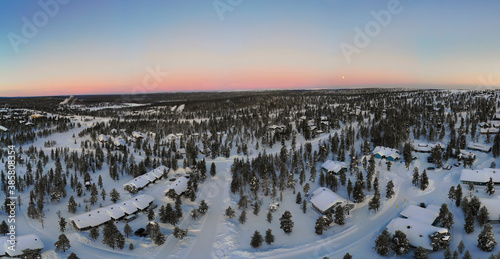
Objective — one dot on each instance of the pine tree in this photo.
(131, 246)
(347, 256)
(212, 170)
(127, 230)
(94, 233)
(62, 224)
(320, 225)
(203, 207)
(286, 222)
(358, 194)
(382, 243)
(447, 253)
(180, 233)
(151, 215)
(490, 187)
(194, 214)
(269, 216)
(469, 222)
(443, 213)
(486, 239)
(243, 217)
(109, 234)
(62, 244)
(73, 256)
(32, 211)
(400, 244)
(461, 246)
(389, 190)
(458, 195)
(269, 237)
(339, 215)
(72, 205)
(420, 253)
(256, 240)
(158, 237)
(120, 240)
(4, 228)
(115, 195)
(424, 180)
(298, 200)
(374, 203)
(483, 217)
(230, 213)
(451, 193)
(304, 206)
(349, 188)
(416, 176)
(467, 255)
(455, 254)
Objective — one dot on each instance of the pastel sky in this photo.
(63, 47)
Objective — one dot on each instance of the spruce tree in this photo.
(269, 237)
(420, 253)
(304, 206)
(94, 233)
(490, 187)
(382, 243)
(320, 225)
(349, 188)
(400, 244)
(467, 255)
(62, 224)
(180, 233)
(486, 239)
(230, 213)
(358, 194)
(416, 177)
(202, 209)
(109, 234)
(269, 216)
(62, 244)
(447, 253)
(157, 236)
(256, 240)
(120, 240)
(243, 217)
(483, 216)
(72, 205)
(286, 222)
(298, 199)
(458, 195)
(212, 170)
(424, 180)
(374, 203)
(389, 190)
(194, 214)
(4, 228)
(71, 256)
(127, 230)
(469, 222)
(339, 215)
(461, 246)
(115, 195)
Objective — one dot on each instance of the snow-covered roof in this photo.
(179, 185)
(103, 138)
(489, 130)
(143, 180)
(426, 147)
(480, 147)
(138, 182)
(119, 141)
(30, 241)
(102, 215)
(493, 207)
(137, 134)
(416, 232)
(333, 166)
(324, 198)
(464, 154)
(385, 151)
(480, 176)
(425, 215)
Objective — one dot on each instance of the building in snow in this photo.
(119, 142)
(390, 154)
(334, 167)
(480, 176)
(493, 206)
(427, 215)
(426, 147)
(116, 211)
(144, 180)
(30, 241)
(479, 147)
(180, 185)
(418, 233)
(137, 135)
(325, 200)
(103, 138)
(466, 155)
(489, 130)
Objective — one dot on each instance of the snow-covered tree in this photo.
(243, 217)
(420, 253)
(62, 244)
(383, 243)
(127, 230)
(269, 238)
(286, 222)
(339, 215)
(424, 180)
(389, 190)
(202, 209)
(230, 213)
(180, 233)
(400, 243)
(62, 224)
(320, 225)
(486, 239)
(490, 187)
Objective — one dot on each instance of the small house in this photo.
(334, 167)
(325, 200)
(390, 154)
